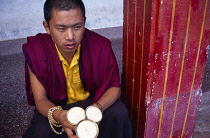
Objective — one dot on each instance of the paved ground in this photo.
(202, 128)
(15, 113)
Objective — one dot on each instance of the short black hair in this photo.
(66, 5)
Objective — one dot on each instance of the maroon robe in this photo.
(98, 72)
(98, 66)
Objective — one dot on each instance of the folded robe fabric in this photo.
(98, 66)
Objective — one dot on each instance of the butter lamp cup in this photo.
(87, 129)
(75, 115)
(93, 113)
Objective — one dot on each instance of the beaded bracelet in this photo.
(52, 120)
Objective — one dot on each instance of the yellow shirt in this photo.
(75, 90)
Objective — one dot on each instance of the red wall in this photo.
(165, 47)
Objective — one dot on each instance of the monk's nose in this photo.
(69, 34)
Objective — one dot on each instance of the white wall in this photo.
(22, 18)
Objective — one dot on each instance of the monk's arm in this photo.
(43, 104)
(109, 97)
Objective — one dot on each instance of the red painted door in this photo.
(165, 45)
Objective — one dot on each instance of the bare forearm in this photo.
(43, 105)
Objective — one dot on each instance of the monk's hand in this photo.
(60, 116)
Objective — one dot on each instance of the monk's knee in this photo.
(117, 111)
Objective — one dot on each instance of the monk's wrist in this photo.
(98, 105)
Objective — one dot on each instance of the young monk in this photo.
(71, 66)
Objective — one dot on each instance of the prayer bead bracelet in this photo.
(52, 120)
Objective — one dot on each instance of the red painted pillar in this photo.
(165, 45)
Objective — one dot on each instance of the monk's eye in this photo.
(61, 29)
(77, 27)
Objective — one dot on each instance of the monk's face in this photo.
(66, 29)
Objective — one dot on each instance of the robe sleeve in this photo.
(110, 76)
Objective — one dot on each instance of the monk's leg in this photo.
(115, 122)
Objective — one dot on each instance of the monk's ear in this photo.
(46, 27)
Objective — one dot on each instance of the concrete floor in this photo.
(15, 113)
(202, 127)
